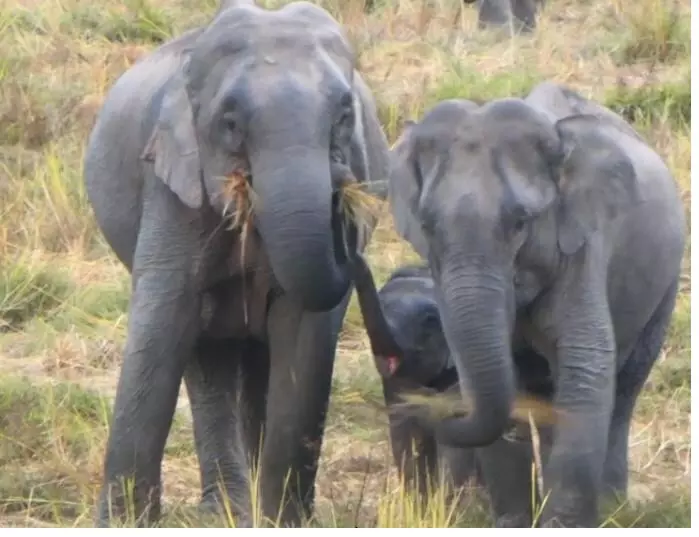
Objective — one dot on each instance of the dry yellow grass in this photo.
(63, 296)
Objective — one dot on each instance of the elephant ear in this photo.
(597, 180)
(173, 146)
(404, 191)
(369, 146)
(368, 158)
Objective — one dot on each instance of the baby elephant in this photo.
(412, 356)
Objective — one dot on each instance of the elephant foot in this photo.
(131, 507)
(225, 512)
(513, 521)
(292, 514)
(558, 518)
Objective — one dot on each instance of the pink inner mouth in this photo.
(392, 364)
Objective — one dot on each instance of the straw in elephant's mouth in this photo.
(356, 204)
(357, 207)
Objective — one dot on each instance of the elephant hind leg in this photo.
(630, 381)
(212, 380)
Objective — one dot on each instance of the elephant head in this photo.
(273, 96)
(403, 325)
(496, 198)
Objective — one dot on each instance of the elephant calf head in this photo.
(404, 328)
(272, 97)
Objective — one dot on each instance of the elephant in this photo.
(248, 315)
(552, 227)
(411, 355)
(520, 13)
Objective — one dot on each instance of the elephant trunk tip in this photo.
(483, 425)
(487, 431)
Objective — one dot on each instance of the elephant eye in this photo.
(345, 118)
(519, 217)
(346, 110)
(229, 120)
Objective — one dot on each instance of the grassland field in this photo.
(64, 296)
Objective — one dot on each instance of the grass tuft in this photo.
(670, 103)
(133, 21)
(657, 31)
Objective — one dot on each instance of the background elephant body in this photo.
(262, 114)
(411, 354)
(521, 14)
(556, 230)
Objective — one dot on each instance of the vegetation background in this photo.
(64, 297)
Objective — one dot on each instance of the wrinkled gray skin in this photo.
(269, 93)
(412, 356)
(520, 14)
(560, 231)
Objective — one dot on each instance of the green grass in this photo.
(668, 103)
(64, 297)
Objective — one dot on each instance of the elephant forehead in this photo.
(281, 36)
(281, 99)
(407, 311)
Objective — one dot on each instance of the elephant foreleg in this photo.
(302, 353)
(255, 381)
(506, 469)
(212, 380)
(162, 330)
(415, 455)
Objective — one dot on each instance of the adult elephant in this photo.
(274, 97)
(564, 235)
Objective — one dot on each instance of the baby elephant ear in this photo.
(597, 180)
(173, 147)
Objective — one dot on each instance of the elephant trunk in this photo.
(297, 215)
(380, 334)
(475, 320)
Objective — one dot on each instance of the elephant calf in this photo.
(411, 354)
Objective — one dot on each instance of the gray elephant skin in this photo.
(520, 14)
(546, 223)
(269, 95)
(412, 356)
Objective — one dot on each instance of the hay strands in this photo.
(525, 408)
(240, 198)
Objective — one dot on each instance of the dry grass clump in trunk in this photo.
(444, 405)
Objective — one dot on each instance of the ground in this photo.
(64, 297)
